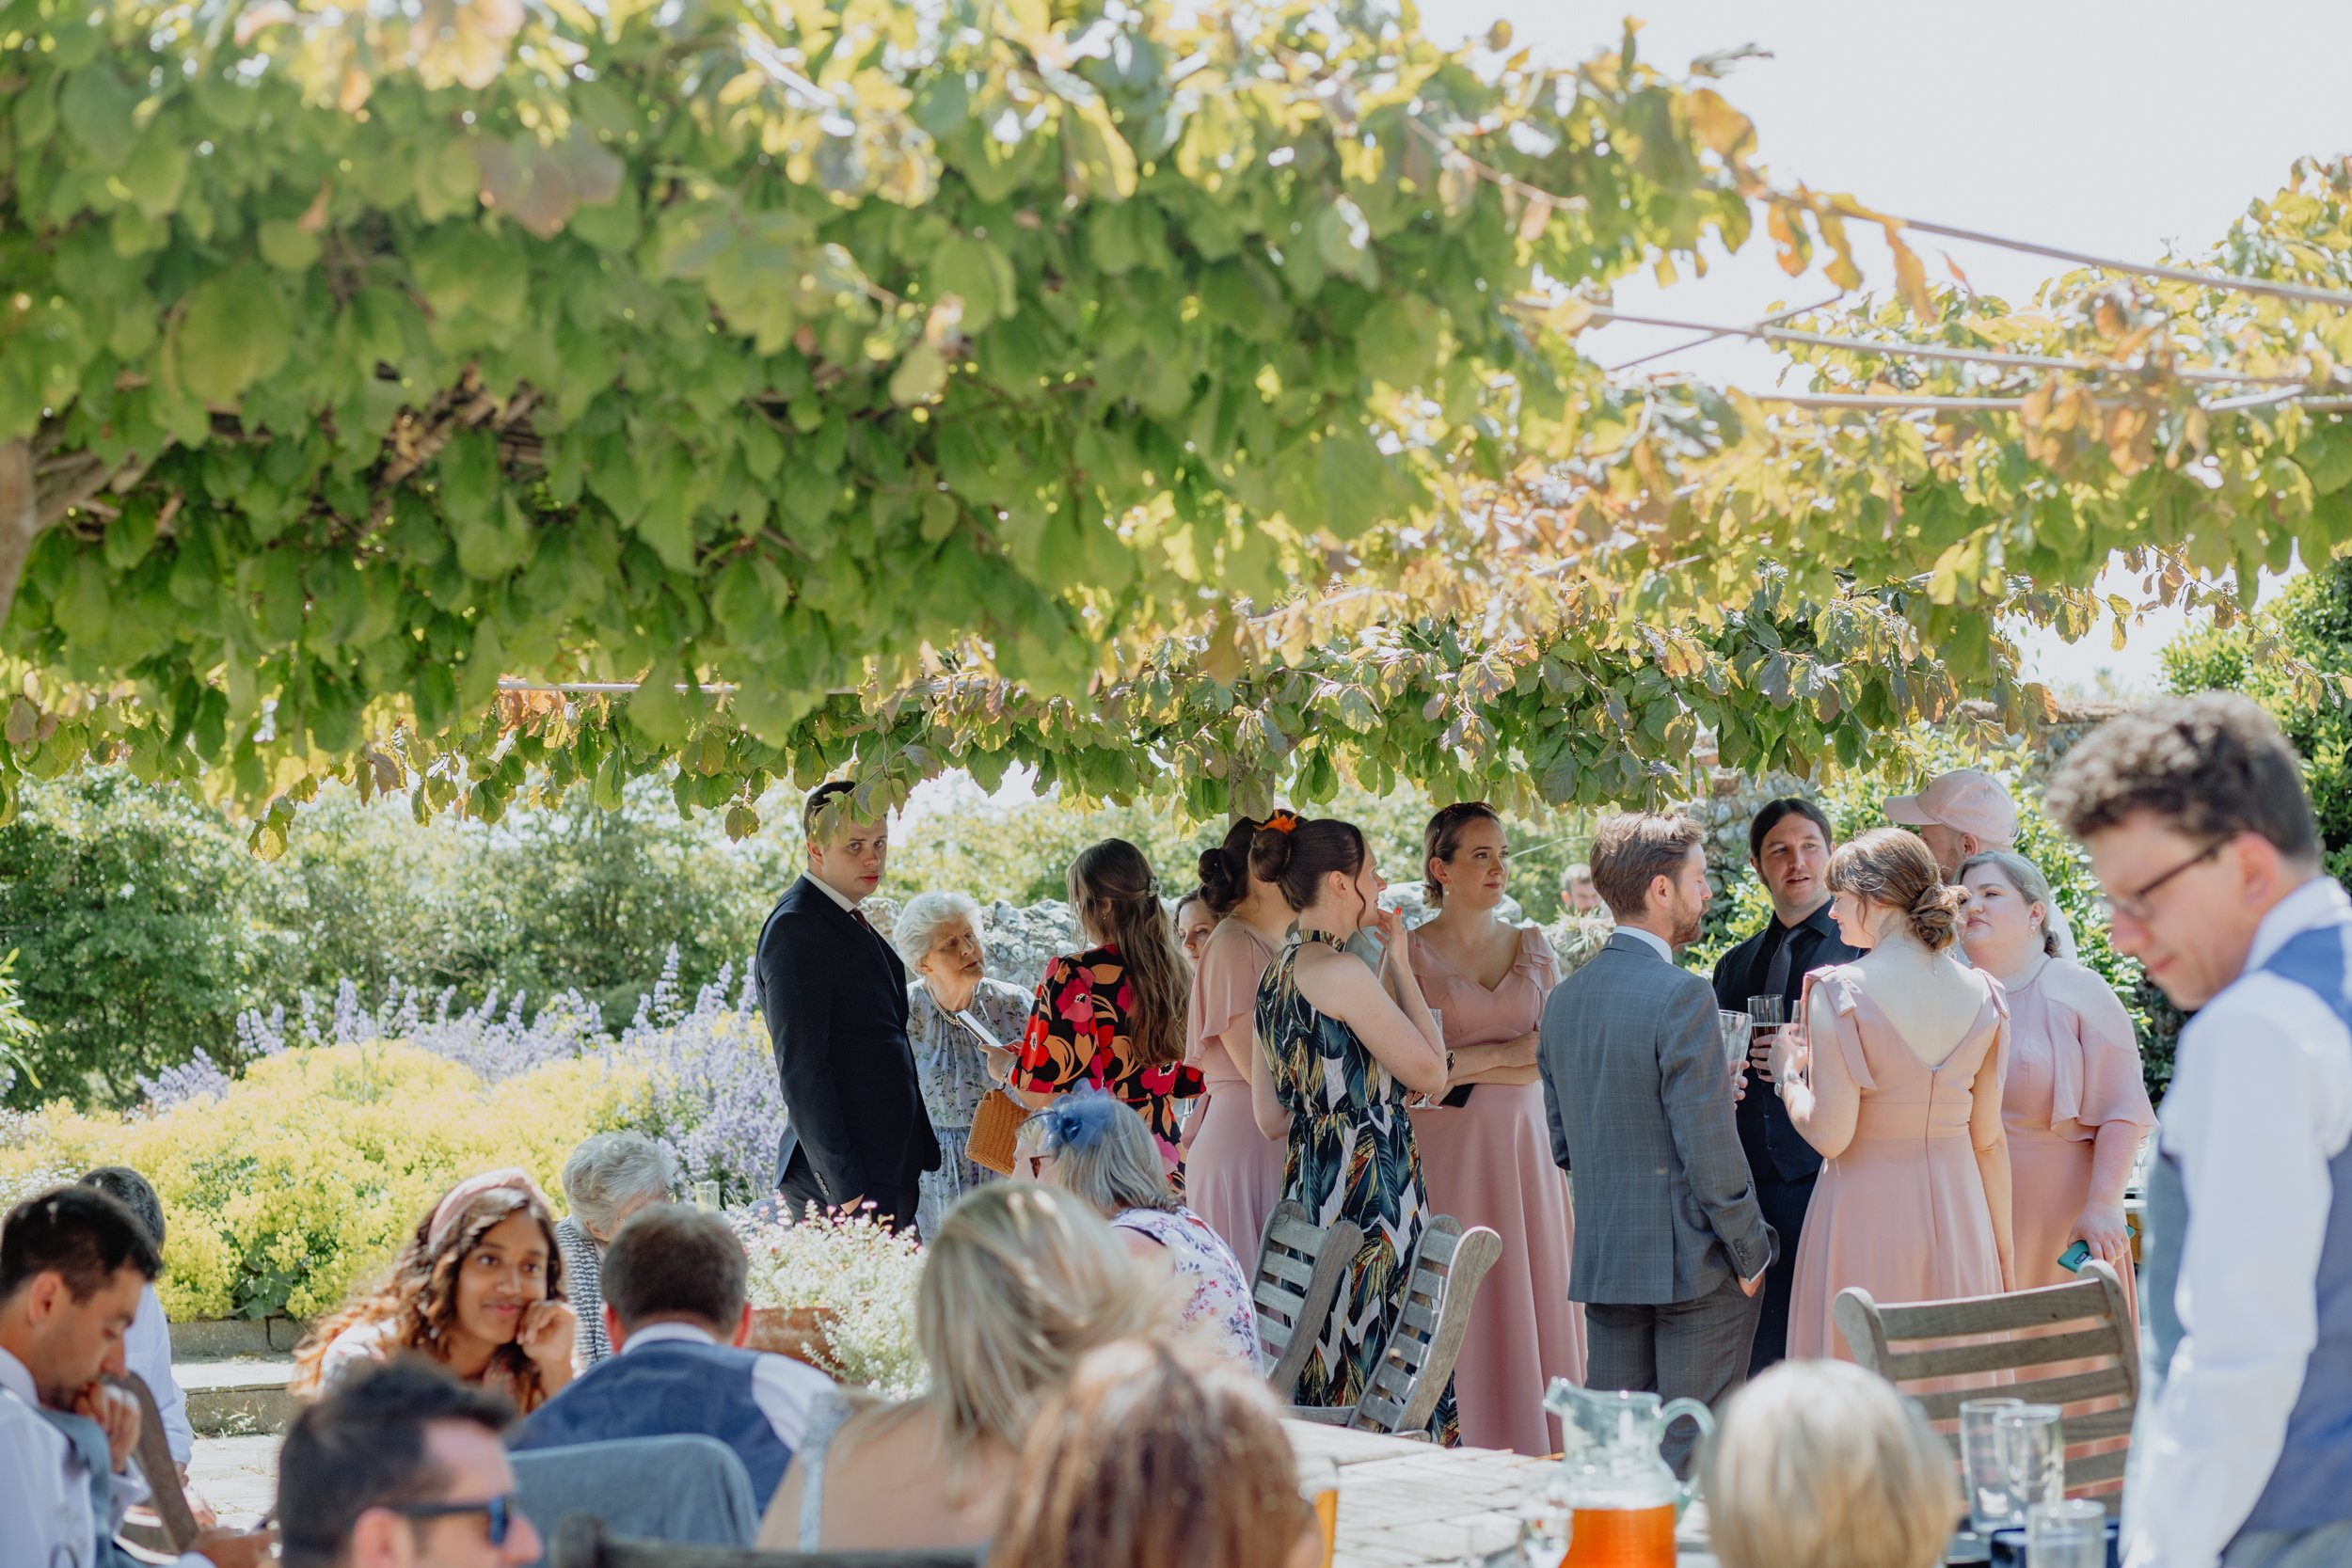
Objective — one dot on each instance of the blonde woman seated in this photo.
(479, 1288)
(1020, 1283)
(1156, 1457)
(1821, 1464)
(1099, 1151)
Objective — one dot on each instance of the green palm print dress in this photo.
(1352, 1156)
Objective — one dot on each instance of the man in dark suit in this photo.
(1671, 1248)
(1788, 844)
(834, 996)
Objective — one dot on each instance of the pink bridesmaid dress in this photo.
(1489, 1163)
(1900, 1211)
(2074, 1068)
(1234, 1172)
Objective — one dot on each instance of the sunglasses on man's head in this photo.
(502, 1512)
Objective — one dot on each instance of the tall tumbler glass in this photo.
(2068, 1533)
(1984, 1468)
(1737, 1033)
(1765, 1014)
(2033, 1450)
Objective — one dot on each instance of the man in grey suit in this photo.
(1671, 1247)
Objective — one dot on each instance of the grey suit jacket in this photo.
(1639, 1100)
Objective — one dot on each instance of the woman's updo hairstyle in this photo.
(1296, 853)
(1443, 839)
(1892, 867)
(1225, 867)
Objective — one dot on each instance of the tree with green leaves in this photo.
(1163, 400)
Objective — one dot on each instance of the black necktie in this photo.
(1776, 973)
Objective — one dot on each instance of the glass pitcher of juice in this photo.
(1620, 1494)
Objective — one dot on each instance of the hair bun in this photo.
(1935, 916)
(1269, 854)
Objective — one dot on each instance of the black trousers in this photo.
(895, 1208)
(1784, 1204)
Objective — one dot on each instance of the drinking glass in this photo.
(1319, 1483)
(706, 1195)
(1765, 1014)
(2069, 1532)
(1990, 1506)
(1736, 1032)
(2033, 1452)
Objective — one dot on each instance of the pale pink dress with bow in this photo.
(1232, 1172)
(1900, 1211)
(1489, 1163)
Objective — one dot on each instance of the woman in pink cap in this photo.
(479, 1288)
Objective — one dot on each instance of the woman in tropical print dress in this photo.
(1112, 1016)
(1339, 1051)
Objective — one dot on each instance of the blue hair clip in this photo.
(1077, 1122)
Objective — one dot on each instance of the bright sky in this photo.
(2104, 127)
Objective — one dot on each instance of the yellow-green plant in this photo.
(304, 1176)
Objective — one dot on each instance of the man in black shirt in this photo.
(1788, 844)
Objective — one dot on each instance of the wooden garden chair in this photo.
(1300, 1266)
(1442, 1279)
(175, 1526)
(582, 1542)
(1989, 1346)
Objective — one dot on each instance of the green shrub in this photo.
(304, 1177)
(125, 906)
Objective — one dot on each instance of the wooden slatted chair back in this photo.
(1301, 1267)
(1441, 1283)
(2012, 1346)
(177, 1521)
(582, 1542)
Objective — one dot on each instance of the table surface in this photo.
(1404, 1504)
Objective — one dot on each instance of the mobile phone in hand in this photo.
(2074, 1257)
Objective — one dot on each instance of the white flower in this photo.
(864, 1276)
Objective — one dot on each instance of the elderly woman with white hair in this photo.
(1098, 1149)
(960, 1022)
(607, 1178)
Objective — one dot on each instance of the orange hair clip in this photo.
(1281, 822)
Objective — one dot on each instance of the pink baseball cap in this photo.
(1965, 800)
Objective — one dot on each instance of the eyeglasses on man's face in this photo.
(502, 1512)
(2141, 905)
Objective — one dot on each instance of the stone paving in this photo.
(238, 1476)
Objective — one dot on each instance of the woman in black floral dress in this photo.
(1340, 1051)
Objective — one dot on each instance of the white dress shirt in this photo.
(848, 904)
(1665, 948)
(2261, 1102)
(44, 1486)
(147, 1350)
(783, 1389)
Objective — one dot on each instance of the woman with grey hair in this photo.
(609, 1177)
(960, 1022)
(1097, 1149)
(2073, 1102)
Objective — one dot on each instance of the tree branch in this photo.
(20, 517)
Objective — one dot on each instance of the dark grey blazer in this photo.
(1638, 1094)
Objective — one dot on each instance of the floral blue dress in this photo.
(1351, 1156)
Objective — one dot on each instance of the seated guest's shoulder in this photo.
(361, 1342)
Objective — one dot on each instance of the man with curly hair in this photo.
(2200, 830)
